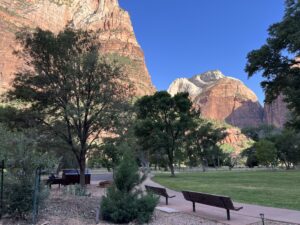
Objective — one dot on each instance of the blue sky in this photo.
(181, 38)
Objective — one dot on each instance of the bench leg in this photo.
(228, 214)
(194, 208)
(167, 202)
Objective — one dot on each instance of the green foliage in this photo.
(22, 158)
(278, 60)
(266, 152)
(202, 143)
(162, 123)
(250, 154)
(72, 91)
(286, 143)
(63, 2)
(110, 152)
(288, 147)
(260, 132)
(125, 203)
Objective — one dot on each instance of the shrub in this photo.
(21, 157)
(124, 202)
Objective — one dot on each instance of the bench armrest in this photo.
(238, 208)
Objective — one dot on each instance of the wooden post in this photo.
(97, 215)
(167, 201)
(228, 214)
(194, 208)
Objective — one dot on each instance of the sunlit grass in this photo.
(268, 188)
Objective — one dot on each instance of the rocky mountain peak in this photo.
(209, 76)
(221, 98)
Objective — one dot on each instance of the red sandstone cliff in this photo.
(222, 98)
(117, 36)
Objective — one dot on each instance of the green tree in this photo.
(124, 202)
(202, 143)
(278, 60)
(288, 147)
(250, 153)
(162, 123)
(266, 152)
(69, 88)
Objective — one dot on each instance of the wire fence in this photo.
(15, 198)
(1, 187)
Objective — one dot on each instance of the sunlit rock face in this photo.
(221, 98)
(116, 33)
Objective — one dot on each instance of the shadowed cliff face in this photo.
(221, 98)
(117, 36)
(276, 113)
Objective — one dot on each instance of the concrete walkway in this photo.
(248, 215)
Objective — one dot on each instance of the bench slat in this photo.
(159, 191)
(212, 200)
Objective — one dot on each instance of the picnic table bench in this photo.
(212, 200)
(159, 191)
(72, 176)
(69, 176)
(55, 180)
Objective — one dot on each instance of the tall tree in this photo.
(266, 152)
(70, 88)
(279, 60)
(162, 122)
(202, 142)
(288, 147)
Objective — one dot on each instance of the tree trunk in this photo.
(203, 165)
(82, 172)
(171, 161)
(172, 169)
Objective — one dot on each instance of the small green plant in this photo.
(124, 202)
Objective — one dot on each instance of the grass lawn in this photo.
(268, 188)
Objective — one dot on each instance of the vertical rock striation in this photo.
(276, 113)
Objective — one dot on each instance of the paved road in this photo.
(104, 176)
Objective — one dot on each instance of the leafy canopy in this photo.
(70, 89)
(279, 60)
(162, 122)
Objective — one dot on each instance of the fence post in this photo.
(2, 186)
(35, 194)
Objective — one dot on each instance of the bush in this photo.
(21, 157)
(124, 202)
(18, 198)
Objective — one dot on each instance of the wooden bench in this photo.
(212, 200)
(159, 191)
(55, 180)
